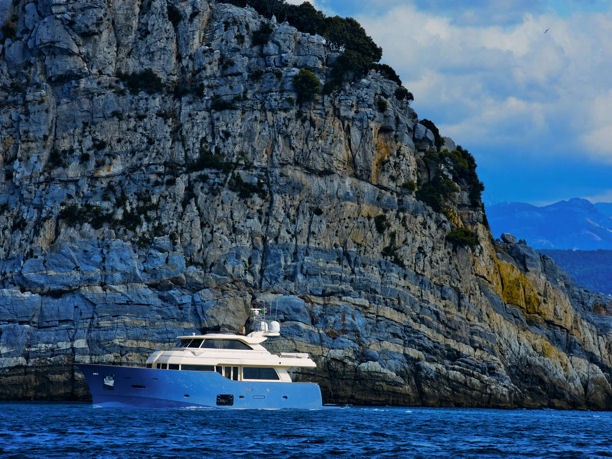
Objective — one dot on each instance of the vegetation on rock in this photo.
(464, 171)
(402, 93)
(262, 35)
(246, 190)
(209, 160)
(437, 193)
(359, 52)
(93, 214)
(146, 80)
(451, 171)
(439, 141)
(307, 86)
(462, 237)
(388, 72)
(8, 29)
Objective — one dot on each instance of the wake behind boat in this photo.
(211, 370)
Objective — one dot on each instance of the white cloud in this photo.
(538, 83)
(598, 135)
(299, 2)
(604, 196)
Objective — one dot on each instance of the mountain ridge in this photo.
(571, 224)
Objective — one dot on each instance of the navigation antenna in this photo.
(261, 324)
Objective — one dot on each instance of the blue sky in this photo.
(524, 85)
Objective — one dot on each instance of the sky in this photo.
(524, 85)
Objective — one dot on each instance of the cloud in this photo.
(604, 196)
(299, 2)
(598, 135)
(526, 76)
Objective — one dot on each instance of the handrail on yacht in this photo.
(296, 355)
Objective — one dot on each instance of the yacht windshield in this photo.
(191, 342)
(226, 344)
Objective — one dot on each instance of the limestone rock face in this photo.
(158, 177)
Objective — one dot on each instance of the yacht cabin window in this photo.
(229, 372)
(226, 344)
(198, 367)
(259, 373)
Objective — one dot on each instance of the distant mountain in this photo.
(589, 268)
(604, 207)
(576, 224)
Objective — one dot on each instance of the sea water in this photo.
(32, 430)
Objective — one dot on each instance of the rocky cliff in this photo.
(161, 174)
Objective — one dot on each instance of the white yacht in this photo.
(212, 370)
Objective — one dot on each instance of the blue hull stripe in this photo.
(155, 388)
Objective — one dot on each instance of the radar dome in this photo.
(274, 327)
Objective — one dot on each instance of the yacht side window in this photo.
(197, 367)
(232, 373)
(259, 373)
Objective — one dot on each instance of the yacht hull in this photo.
(156, 388)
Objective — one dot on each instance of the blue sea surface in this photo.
(34, 430)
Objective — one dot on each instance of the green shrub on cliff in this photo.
(8, 29)
(56, 158)
(360, 52)
(388, 72)
(93, 214)
(209, 160)
(350, 66)
(437, 193)
(464, 170)
(452, 171)
(306, 18)
(381, 224)
(174, 15)
(402, 93)
(307, 85)
(220, 104)
(462, 237)
(439, 141)
(246, 190)
(262, 35)
(146, 80)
